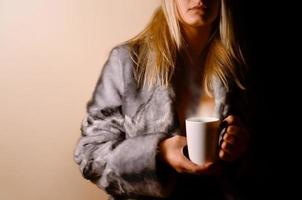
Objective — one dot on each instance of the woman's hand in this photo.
(235, 140)
(171, 152)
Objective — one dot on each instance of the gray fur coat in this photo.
(122, 129)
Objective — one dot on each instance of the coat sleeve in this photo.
(120, 166)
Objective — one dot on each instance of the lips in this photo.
(196, 7)
(199, 6)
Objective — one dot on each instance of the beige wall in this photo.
(51, 53)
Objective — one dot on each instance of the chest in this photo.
(193, 101)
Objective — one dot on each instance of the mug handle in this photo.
(222, 130)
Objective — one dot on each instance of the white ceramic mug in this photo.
(202, 139)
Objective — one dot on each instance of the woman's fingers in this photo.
(223, 155)
(186, 166)
(232, 145)
(232, 130)
(236, 135)
(236, 128)
(235, 139)
(171, 152)
(231, 148)
(232, 120)
(227, 147)
(229, 138)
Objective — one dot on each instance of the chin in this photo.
(199, 23)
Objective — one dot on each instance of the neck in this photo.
(197, 39)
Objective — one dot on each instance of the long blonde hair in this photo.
(156, 48)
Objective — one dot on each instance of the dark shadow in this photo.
(271, 99)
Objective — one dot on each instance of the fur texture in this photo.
(121, 131)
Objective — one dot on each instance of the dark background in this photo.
(271, 37)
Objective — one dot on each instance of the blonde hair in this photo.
(155, 50)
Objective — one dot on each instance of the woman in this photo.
(186, 62)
